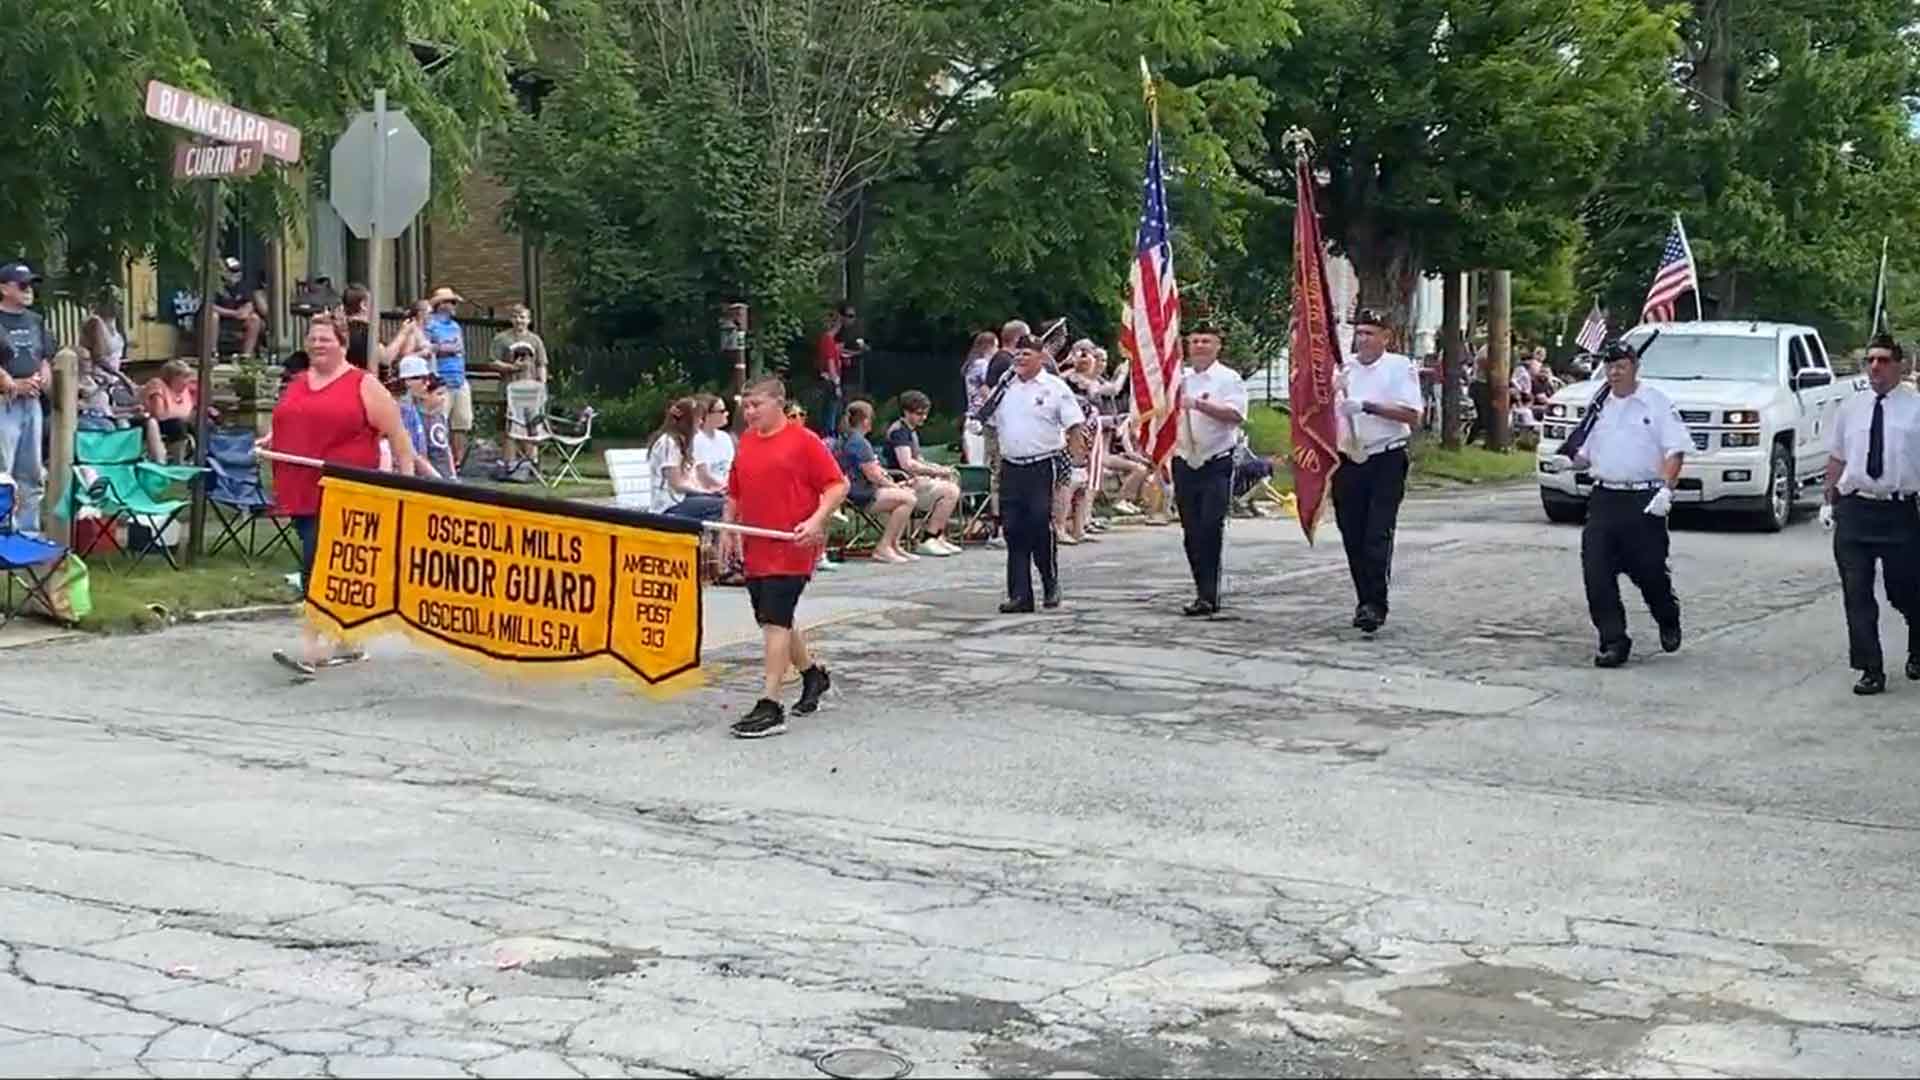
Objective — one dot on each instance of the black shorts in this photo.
(774, 599)
(174, 430)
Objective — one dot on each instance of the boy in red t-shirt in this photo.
(783, 479)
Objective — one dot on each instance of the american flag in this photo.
(1593, 332)
(1150, 325)
(1674, 279)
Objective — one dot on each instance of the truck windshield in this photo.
(1708, 356)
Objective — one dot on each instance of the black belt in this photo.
(1043, 459)
(1224, 455)
(1876, 497)
(1629, 485)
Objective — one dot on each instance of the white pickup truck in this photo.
(1758, 398)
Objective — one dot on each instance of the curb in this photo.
(255, 613)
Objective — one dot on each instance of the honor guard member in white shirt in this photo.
(1213, 404)
(1032, 412)
(1873, 471)
(1632, 442)
(1380, 403)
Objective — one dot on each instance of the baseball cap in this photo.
(414, 367)
(232, 264)
(18, 273)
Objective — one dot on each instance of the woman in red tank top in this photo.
(333, 412)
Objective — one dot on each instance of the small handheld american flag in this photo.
(1593, 332)
(1674, 278)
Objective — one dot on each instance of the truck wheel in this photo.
(1780, 491)
(1562, 510)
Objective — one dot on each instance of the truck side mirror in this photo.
(1808, 378)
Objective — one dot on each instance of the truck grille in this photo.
(1699, 440)
(1696, 416)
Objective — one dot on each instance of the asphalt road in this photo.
(1108, 841)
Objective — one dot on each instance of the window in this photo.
(1797, 355)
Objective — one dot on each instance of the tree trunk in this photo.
(1386, 265)
(1499, 358)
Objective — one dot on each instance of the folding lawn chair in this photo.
(527, 428)
(976, 498)
(632, 476)
(240, 501)
(568, 438)
(112, 479)
(27, 562)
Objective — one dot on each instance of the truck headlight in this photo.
(1743, 416)
(1556, 410)
(1740, 438)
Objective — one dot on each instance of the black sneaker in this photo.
(1913, 668)
(1199, 609)
(1370, 620)
(814, 684)
(302, 671)
(1612, 656)
(1670, 638)
(1871, 682)
(766, 718)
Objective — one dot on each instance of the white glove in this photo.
(1661, 502)
(1826, 516)
(1349, 407)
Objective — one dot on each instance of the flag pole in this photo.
(1693, 269)
(1880, 290)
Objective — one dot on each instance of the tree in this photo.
(83, 173)
(691, 155)
(1457, 135)
(1020, 190)
(1784, 143)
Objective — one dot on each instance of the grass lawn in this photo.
(1270, 432)
(123, 600)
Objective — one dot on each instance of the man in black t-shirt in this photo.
(234, 303)
(936, 488)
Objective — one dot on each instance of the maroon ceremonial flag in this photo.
(1315, 360)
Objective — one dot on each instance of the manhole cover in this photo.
(863, 1064)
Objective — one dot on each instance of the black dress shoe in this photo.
(1359, 616)
(1369, 621)
(1913, 668)
(1670, 638)
(1052, 599)
(1610, 658)
(1199, 608)
(1871, 682)
(1016, 607)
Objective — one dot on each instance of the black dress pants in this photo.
(1866, 532)
(1026, 511)
(1366, 506)
(1203, 495)
(1622, 538)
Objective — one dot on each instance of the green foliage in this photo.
(1021, 191)
(693, 155)
(634, 415)
(1787, 151)
(1458, 135)
(83, 170)
(1270, 432)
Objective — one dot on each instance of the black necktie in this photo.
(1877, 439)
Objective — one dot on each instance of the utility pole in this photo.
(1453, 356)
(1499, 357)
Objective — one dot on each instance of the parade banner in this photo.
(1315, 359)
(544, 586)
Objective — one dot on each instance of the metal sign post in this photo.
(250, 136)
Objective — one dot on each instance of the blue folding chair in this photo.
(239, 499)
(28, 562)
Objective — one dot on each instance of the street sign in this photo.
(363, 186)
(218, 120)
(216, 161)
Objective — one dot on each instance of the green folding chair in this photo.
(112, 477)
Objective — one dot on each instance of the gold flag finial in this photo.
(1146, 81)
(1300, 140)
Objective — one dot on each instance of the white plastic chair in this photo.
(632, 476)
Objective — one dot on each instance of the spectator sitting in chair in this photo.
(235, 304)
(870, 488)
(936, 488)
(677, 489)
(713, 446)
(169, 399)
